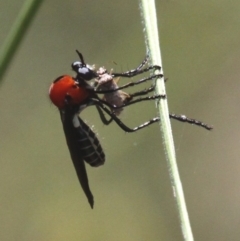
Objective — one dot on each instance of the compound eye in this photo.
(83, 71)
(76, 65)
(86, 73)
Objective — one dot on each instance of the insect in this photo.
(73, 94)
(107, 83)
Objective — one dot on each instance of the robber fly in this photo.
(73, 94)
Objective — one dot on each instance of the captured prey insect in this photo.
(106, 83)
(72, 95)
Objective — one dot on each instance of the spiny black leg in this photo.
(103, 117)
(184, 118)
(153, 97)
(144, 62)
(138, 70)
(129, 84)
(181, 118)
(119, 122)
(135, 72)
(143, 92)
(100, 112)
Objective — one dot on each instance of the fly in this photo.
(73, 94)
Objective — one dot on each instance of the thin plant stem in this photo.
(17, 33)
(149, 19)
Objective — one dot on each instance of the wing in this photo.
(83, 145)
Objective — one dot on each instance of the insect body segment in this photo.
(89, 145)
(118, 98)
(66, 91)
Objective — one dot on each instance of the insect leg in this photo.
(153, 97)
(184, 118)
(129, 84)
(143, 92)
(118, 121)
(103, 117)
(138, 70)
(181, 118)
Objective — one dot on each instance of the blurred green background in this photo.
(41, 198)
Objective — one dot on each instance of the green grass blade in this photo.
(152, 41)
(16, 33)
